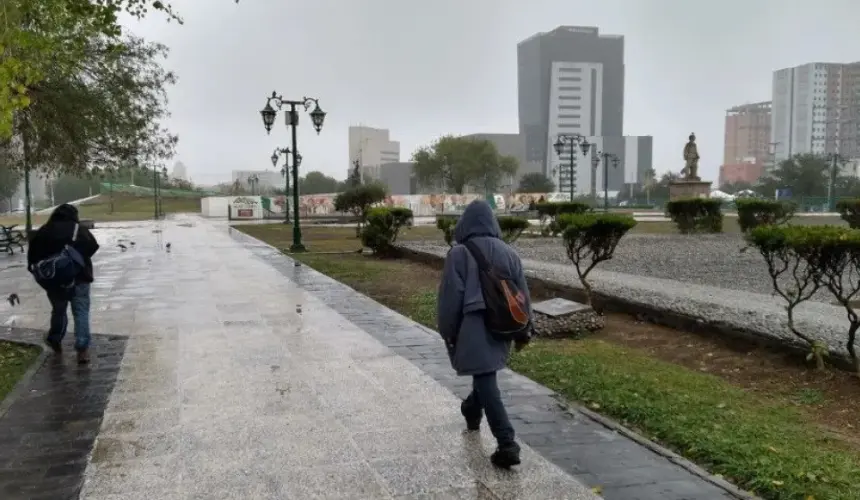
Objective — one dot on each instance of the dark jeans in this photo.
(485, 396)
(80, 302)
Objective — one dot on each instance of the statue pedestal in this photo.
(682, 188)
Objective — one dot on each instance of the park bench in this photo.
(10, 238)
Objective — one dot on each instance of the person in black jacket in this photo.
(49, 240)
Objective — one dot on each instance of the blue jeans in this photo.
(80, 302)
(486, 396)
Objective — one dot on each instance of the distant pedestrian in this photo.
(60, 258)
(484, 307)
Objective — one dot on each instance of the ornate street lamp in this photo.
(595, 161)
(285, 171)
(562, 144)
(269, 113)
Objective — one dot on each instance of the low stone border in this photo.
(21, 386)
(744, 327)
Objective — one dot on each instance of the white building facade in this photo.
(815, 110)
(371, 148)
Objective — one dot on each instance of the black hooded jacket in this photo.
(55, 234)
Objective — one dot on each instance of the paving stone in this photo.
(50, 427)
(313, 391)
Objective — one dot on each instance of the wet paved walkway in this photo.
(244, 376)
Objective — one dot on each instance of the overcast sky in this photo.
(425, 68)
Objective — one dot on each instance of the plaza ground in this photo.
(726, 404)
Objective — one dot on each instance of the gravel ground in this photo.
(740, 309)
(712, 260)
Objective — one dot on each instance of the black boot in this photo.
(472, 415)
(506, 456)
(54, 345)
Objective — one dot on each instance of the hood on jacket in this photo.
(64, 212)
(477, 220)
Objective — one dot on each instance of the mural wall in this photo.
(422, 205)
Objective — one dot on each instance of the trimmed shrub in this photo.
(834, 255)
(786, 253)
(512, 227)
(591, 238)
(696, 215)
(358, 201)
(802, 259)
(754, 212)
(849, 210)
(446, 225)
(549, 212)
(382, 228)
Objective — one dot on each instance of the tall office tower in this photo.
(816, 109)
(570, 80)
(371, 147)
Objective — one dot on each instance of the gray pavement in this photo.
(236, 382)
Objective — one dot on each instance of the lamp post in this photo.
(285, 171)
(606, 158)
(833, 159)
(160, 196)
(107, 174)
(292, 117)
(571, 141)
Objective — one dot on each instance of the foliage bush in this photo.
(755, 212)
(793, 279)
(815, 256)
(382, 228)
(358, 200)
(696, 215)
(849, 210)
(591, 238)
(549, 212)
(512, 227)
(446, 225)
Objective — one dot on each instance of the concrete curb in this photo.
(22, 384)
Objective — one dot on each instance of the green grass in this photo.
(765, 445)
(126, 207)
(326, 239)
(15, 359)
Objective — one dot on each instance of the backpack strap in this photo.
(479, 257)
(75, 233)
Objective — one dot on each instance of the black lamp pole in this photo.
(286, 173)
(160, 195)
(155, 191)
(572, 141)
(595, 161)
(317, 117)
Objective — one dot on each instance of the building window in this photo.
(569, 106)
(570, 89)
(561, 117)
(568, 125)
(570, 78)
(569, 98)
(569, 70)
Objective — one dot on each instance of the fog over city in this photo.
(425, 69)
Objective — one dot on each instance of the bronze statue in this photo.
(691, 160)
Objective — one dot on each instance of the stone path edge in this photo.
(573, 407)
(565, 405)
(23, 383)
(660, 316)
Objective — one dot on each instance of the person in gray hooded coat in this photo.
(474, 351)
